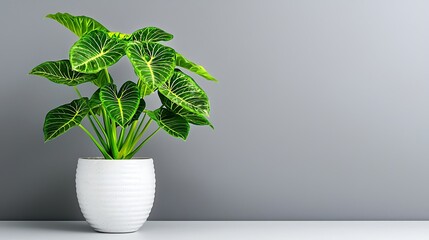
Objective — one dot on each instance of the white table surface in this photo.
(223, 230)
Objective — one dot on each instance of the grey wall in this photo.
(322, 110)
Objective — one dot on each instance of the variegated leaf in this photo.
(96, 51)
(191, 117)
(62, 118)
(153, 64)
(121, 106)
(181, 61)
(151, 34)
(182, 90)
(173, 124)
(61, 72)
(80, 25)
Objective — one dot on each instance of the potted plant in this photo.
(116, 192)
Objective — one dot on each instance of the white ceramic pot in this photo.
(115, 196)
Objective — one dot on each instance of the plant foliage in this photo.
(119, 119)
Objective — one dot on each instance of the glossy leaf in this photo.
(173, 124)
(121, 106)
(95, 51)
(181, 61)
(182, 90)
(62, 118)
(61, 72)
(153, 64)
(191, 117)
(151, 34)
(80, 25)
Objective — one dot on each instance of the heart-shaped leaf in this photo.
(153, 64)
(182, 90)
(96, 51)
(61, 72)
(172, 123)
(191, 117)
(77, 24)
(62, 118)
(181, 61)
(121, 106)
(151, 34)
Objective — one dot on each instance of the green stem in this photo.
(105, 154)
(137, 138)
(98, 122)
(140, 125)
(90, 110)
(125, 146)
(110, 126)
(121, 137)
(77, 91)
(113, 139)
(107, 75)
(142, 144)
(97, 132)
(107, 127)
(92, 123)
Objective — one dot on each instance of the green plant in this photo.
(115, 115)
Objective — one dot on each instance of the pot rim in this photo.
(103, 159)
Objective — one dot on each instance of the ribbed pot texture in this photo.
(115, 196)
